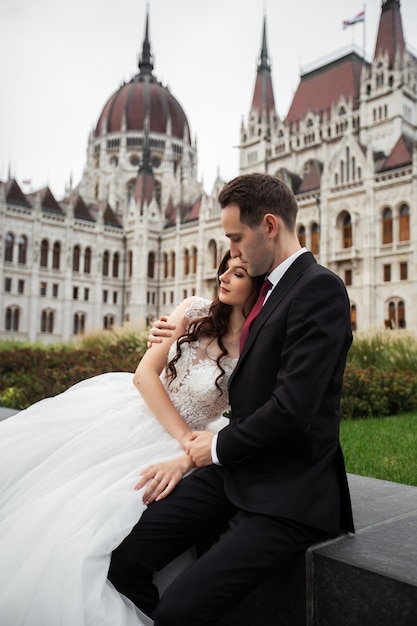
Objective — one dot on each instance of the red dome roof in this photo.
(144, 97)
(133, 100)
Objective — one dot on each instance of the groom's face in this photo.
(250, 244)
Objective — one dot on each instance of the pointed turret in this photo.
(263, 101)
(145, 59)
(390, 38)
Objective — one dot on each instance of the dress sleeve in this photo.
(198, 307)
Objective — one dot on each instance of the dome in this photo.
(137, 99)
(144, 98)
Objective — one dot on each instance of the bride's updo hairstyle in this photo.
(216, 324)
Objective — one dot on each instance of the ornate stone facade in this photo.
(139, 233)
(348, 149)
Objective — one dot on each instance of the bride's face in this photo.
(235, 283)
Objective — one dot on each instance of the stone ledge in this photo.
(366, 579)
(371, 577)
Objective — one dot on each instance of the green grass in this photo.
(384, 448)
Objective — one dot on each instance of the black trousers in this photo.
(249, 548)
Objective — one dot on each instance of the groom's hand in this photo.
(160, 329)
(198, 447)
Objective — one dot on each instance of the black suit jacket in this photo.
(281, 451)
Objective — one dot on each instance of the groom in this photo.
(273, 481)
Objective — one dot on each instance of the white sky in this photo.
(60, 61)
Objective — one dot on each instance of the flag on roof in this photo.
(360, 17)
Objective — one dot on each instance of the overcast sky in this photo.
(60, 62)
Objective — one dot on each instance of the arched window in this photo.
(212, 246)
(44, 252)
(387, 226)
(108, 321)
(315, 238)
(87, 261)
(186, 262)
(130, 263)
(151, 265)
(106, 262)
(8, 248)
(347, 232)
(347, 164)
(76, 253)
(194, 259)
(116, 259)
(79, 324)
(302, 236)
(173, 264)
(11, 322)
(22, 250)
(404, 234)
(130, 187)
(165, 264)
(391, 314)
(56, 255)
(47, 321)
(401, 314)
(396, 314)
(51, 322)
(353, 318)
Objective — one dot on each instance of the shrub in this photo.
(29, 374)
(384, 350)
(374, 393)
(380, 377)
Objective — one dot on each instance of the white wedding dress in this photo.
(68, 467)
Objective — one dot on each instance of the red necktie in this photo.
(254, 312)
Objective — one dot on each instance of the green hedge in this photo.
(31, 374)
(374, 393)
(380, 377)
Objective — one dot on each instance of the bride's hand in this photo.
(160, 329)
(163, 477)
(198, 446)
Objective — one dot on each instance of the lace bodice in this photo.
(193, 392)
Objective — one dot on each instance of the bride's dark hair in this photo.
(216, 324)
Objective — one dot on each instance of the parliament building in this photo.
(139, 233)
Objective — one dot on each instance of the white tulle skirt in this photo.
(68, 466)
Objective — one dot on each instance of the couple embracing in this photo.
(257, 492)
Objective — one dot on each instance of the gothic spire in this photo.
(263, 96)
(145, 59)
(264, 65)
(390, 36)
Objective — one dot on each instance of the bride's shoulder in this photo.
(195, 307)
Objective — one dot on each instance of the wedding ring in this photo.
(158, 480)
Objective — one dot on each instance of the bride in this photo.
(78, 469)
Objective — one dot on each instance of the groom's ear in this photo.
(271, 224)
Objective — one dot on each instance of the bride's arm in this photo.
(147, 381)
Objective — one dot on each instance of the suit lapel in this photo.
(287, 282)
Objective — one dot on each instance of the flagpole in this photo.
(364, 32)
